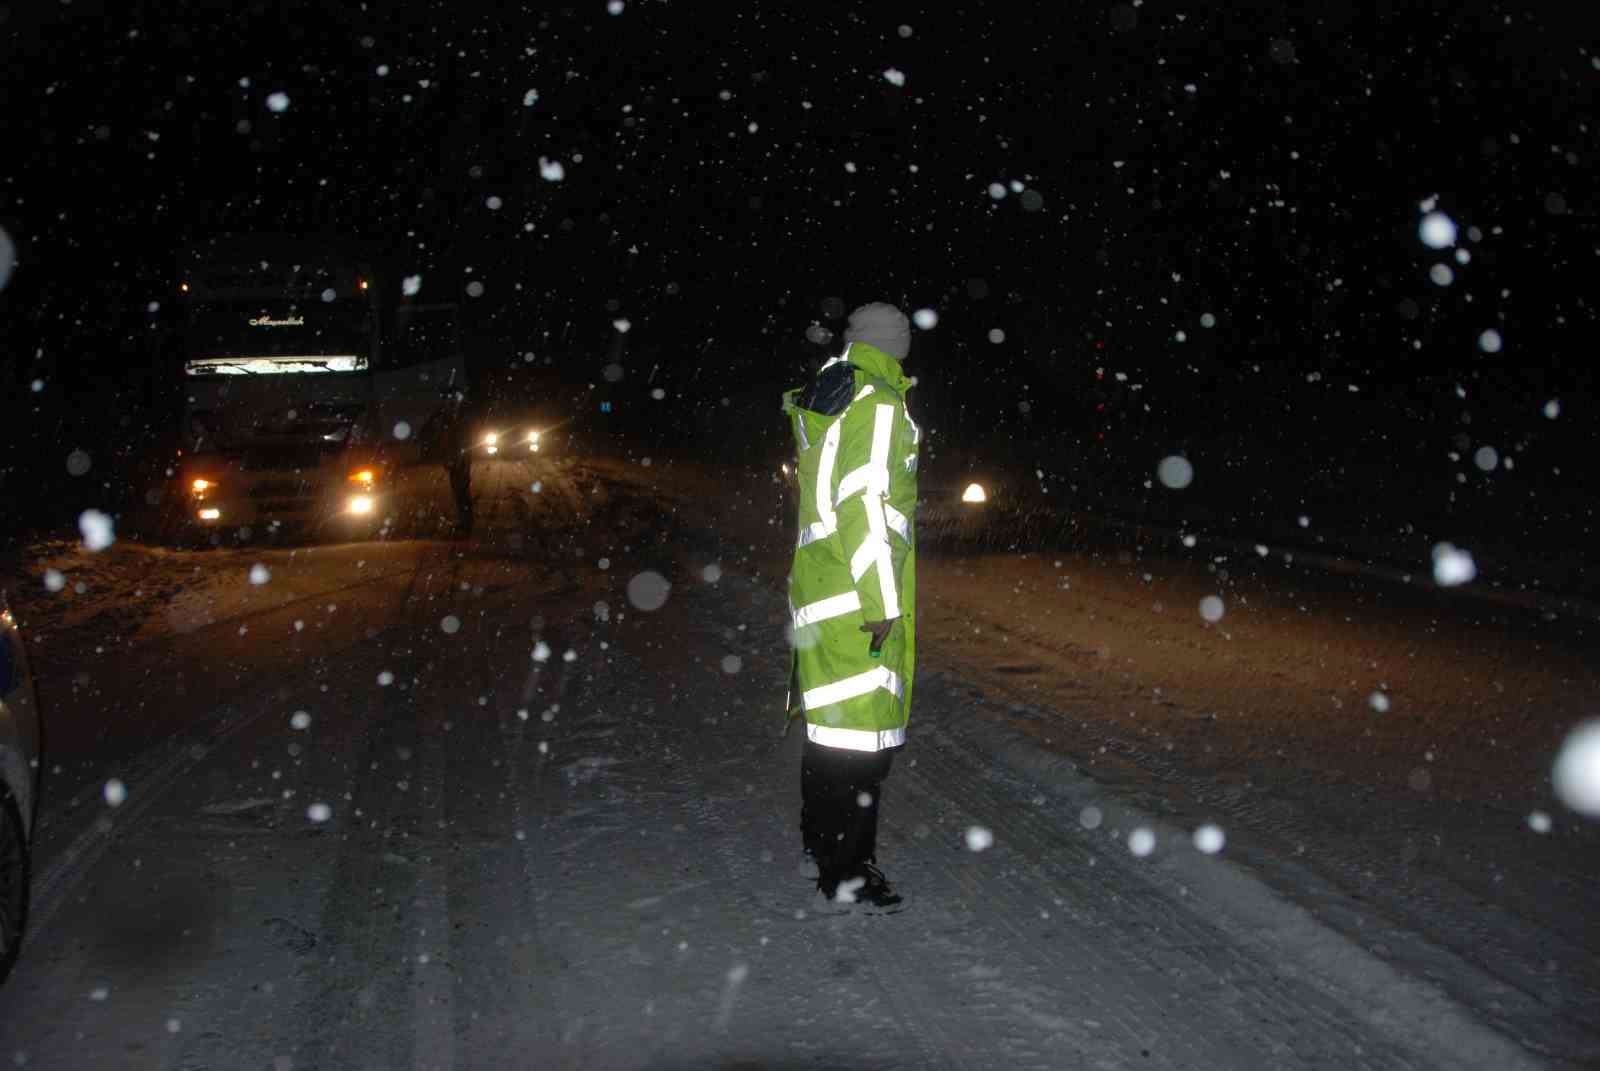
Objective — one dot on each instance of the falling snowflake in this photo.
(711, 573)
(54, 580)
(1576, 775)
(732, 663)
(530, 98)
(410, 285)
(926, 319)
(1175, 472)
(402, 430)
(475, 289)
(1090, 817)
(1379, 702)
(1141, 842)
(319, 812)
(649, 590)
(300, 720)
(1452, 566)
(551, 170)
(997, 336)
(622, 325)
(1211, 608)
(541, 652)
(1539, 822)
(77, 463)
(1490, 342)
(8, 258)
(278, 102)
(259, 574)
(979, 838)
(451, 624)
(894, 77)
(98, 533)
(1209, 838)
(493, 203)
(385, 679)
(1437, 231)
(115, 792)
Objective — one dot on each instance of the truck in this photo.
(313, 379)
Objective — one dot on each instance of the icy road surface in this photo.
(465, 804)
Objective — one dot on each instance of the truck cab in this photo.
(310, 383)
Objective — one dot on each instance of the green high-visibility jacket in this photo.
(855, 559)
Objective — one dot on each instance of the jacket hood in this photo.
(874, 361)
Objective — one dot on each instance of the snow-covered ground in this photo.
(435, 804)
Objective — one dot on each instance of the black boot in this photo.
(866, 885)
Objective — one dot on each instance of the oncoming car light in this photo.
(533, 441)
(491, 443)
(200, 485)
(211, 515)
(361, 504)
(974, 493)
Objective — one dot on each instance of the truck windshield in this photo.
(256, 336)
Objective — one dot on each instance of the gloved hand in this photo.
(880, 632)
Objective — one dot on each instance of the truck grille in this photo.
(282, 489)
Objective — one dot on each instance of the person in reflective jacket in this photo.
(852, 595)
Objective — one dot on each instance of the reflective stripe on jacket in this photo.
(855, 557)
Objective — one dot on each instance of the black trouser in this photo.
(839, 795)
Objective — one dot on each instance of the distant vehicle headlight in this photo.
(490, 439)
(361, 504)
(363, 478)
(199, 486)
(211, 515)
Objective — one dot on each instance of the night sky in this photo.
(724, 168)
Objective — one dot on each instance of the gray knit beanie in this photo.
(882, 325)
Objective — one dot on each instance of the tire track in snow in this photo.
(347, 1019)
(1138, 952)
(160, 767)
(1431, 919)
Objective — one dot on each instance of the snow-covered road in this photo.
(479, 809)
